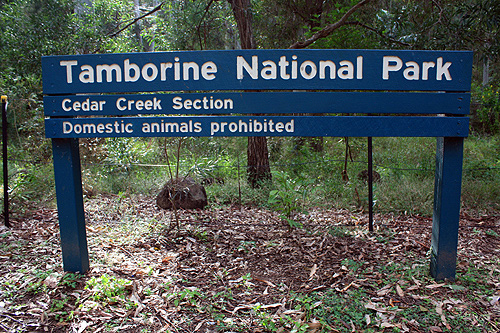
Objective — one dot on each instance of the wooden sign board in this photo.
(361, 93)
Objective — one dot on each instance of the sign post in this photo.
(413, 93)
(5, 163)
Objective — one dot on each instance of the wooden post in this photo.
(68, 178)
(447, 190)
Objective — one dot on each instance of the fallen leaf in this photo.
(434, 286)
(83, 326)
(314, 325)
(275, 305)
(416, 281)
(439, 308)
(399, 291)
(167, 259)
(313, 271)
(455, 287)
(384, 291)
(52, 280)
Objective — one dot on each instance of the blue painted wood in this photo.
(217, 126)
(252, 102)
(67, 171)
(364, 72)
(447, 190)
(218, 70)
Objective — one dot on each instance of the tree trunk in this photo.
(486, 71)
(257, 153)
(258, 161)
(137, 26)
(243, 16)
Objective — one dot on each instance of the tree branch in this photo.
(326, 31)
(201, 21)
(367, 27)
(157, 8)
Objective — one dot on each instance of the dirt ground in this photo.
(242, 269)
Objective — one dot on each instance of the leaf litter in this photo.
(241, 269)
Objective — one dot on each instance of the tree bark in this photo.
(243, 16)
(137, 26)
(258, 169)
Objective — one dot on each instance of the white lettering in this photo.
(322, 69)
(87, 74)
(359, 69)
(118, 104)
(443, 70)
(177, 103)
(67, 127)
(208, 70)
(303, 70)
(196, 70)
(64, 106)
(163, 68)
(412, 71)
(387, 67)
(145, 71)
(242, 64)
(127, 67)
(109, 72)
(69, 64)
(425, 69)
(269, 71)
(346, 71)
(283, 65)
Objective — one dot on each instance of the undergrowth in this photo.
(405, 166)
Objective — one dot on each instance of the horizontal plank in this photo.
(393, 70)
(258, 102)
(214, 126)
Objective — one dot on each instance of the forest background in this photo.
(283, 245)
(323, 170)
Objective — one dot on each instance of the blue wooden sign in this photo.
(206, 93)
(258, 69)
(223, 126)
(257, 102)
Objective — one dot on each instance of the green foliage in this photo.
(33, 183)
(188, 295)
(332, 310)
(97, 24)
(70, 280)
(187, 25)
(481, 174)
(30, 29)
(109, 289)
(486, 109)
(290, 196)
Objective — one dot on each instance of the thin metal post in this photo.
(5, 163)
(370, 184)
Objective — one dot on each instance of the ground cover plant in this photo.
(329, 177)
(242, 269)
